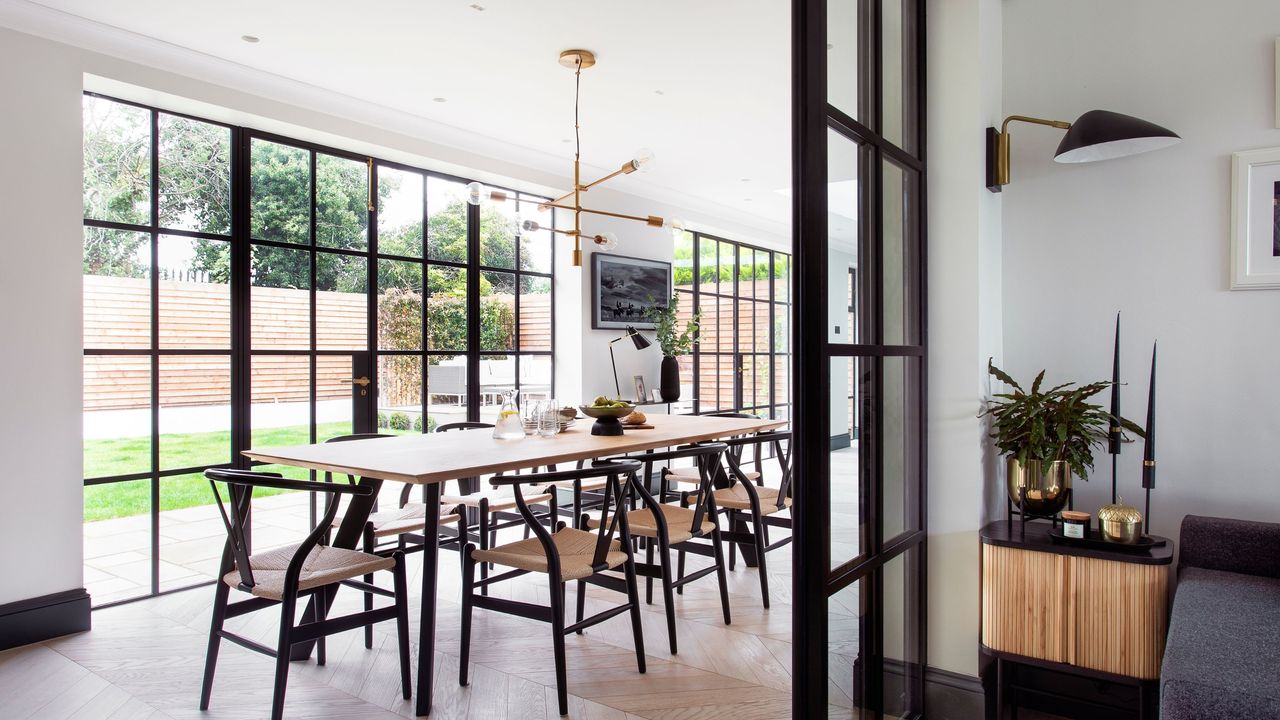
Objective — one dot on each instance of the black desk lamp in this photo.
(641, 342)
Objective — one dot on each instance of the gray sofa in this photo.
(1222, 658)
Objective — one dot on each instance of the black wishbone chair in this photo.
(664, 527)
(743, 496)
(567, 554)
(287, 574)
(404, 524)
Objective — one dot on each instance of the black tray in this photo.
(1096, 542)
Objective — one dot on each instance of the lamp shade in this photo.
(640, 341)
(1103, 135)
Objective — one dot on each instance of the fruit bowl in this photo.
(620, 411)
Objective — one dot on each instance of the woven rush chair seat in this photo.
(497, 500)
(690, 475)
(679, 522)
(587, 485)
(736, 498)
(408, 519)
(576, 548)
(324, 565)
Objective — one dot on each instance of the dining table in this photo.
(431, 459)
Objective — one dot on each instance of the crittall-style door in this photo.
(860, 349)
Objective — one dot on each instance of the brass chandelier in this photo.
(579, 60)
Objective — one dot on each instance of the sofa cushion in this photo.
(1223, 650)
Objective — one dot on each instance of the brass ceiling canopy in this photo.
(579, 60)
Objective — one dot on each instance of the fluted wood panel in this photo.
(1121, 618)
(1099, 614)
(1025, 602)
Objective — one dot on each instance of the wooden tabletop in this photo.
(437, 457)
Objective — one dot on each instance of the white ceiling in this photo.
(704, 84)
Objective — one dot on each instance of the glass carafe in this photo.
(509, 425)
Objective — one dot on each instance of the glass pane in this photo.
(400, 394)
(117, 540)
(846, 470)
(842, 55)
(447, 385)
(899, 309)
(781, 383)
(117, 415)
(761, 381)
(191, 541)
(497, 311)
(447, 220)
(334, 410)
(728, 268)
(195, 175)
(400, 202)
(728, 378)
(708, 268)
(682, 261)
(535, 377)
(279, 192)
(903, 676)
(342, 302)
(709, 327)
(535, 313)
(399, 305)
(497, 376)
(342, 203)
(747, 376)
(195, 410)
(280, 299)
(848, 650)
(781, 277)
(446, 308)
(498, 234)
(901, 429)
(535, 247)
(117, 294)
(842, 232)
(782, 328)
(280, 397)
(899, 88)
(195, 293)
(117, 161)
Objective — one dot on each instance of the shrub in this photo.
(399, 421)
(382, 419)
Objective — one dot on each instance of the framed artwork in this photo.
(1255, 219)
(641, 395)
(623, 289)
(1278, 82)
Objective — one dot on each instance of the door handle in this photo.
(361, 381)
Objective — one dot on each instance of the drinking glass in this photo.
(549, 418)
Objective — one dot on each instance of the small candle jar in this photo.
(1075, 524)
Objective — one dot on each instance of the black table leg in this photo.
(349, 534)
(427, 623)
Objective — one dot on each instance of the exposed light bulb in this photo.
(643, 160)
(530, 226)
(475, 193)
(606, 242)
(675, 224)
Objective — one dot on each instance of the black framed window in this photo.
(247, 289)
(740, 361)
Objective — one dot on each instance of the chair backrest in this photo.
(776, 438)
(611, 524)
(240, 485)
(462, 426)
(706, 457)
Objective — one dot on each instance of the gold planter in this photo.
(1046, 486)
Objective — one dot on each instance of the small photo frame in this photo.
(1255, 219)
(641, 394)
(655, 395)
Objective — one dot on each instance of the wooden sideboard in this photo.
(1101, 614)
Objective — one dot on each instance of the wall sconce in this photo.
(1095, 135)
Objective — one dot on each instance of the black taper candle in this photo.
(1149, 454)
(1114, 436)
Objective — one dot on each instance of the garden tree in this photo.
(117, 176)
(113, 253)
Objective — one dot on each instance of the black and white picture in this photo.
(623, 290)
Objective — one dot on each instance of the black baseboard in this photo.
(41, 618)
(953, 696)
(840, 442)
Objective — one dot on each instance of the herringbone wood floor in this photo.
(144, 660)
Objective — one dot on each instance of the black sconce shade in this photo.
(1102, 135)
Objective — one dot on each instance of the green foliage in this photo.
(1053, 424)
(382, 419)
(673, 342)
(751, 267)
(417, 424)
(399, 421)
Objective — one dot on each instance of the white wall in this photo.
(40, 198)
(1148, 236)
(964, 315)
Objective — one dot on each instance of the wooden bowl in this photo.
(606, 412)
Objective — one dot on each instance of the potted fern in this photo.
(1047, 436)
(674, 343)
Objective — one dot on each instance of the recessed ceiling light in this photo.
(745, 180)
(566, 140)
(249, 38)
(658, 92)
(746, 199)
(477, 7)
(440, 99)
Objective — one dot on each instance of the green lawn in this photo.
(120, 456)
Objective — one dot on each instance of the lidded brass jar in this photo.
(1120, 523)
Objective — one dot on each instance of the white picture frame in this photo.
(1255, 219)
(641, 393)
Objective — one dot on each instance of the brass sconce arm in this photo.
(998, 148)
